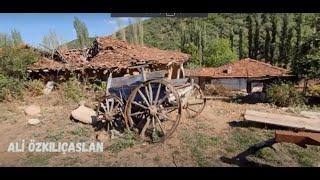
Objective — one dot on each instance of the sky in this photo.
(33, 26)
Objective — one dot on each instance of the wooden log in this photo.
(299, 138)
(283, 120)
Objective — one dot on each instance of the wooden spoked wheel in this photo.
(195, 102)
(110, 112)
(153, 110)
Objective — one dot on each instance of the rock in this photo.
(102, 137)
(32, 110)
(33, 121)
(84, 114)
(49, 86)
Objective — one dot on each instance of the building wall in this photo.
(239, 84)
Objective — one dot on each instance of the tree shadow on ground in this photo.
(241, 159)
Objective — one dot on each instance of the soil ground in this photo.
(211, 139)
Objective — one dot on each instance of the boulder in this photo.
(48, 88)
(84, 114)
(32, 110)
(33, 121)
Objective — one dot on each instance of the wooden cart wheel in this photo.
(153, 110)
(110, 112)
(196, 102)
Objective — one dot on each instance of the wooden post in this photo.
(170, 72)
(182, 70)
(109, 83)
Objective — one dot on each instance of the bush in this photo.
(314, 90)
(219, 52)
(72, 90)
(284, 94)
(9, 88)
(15, 60)
(35, 87)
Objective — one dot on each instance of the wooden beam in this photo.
(283, 120)
(299, 138)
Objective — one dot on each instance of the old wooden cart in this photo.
(149, 103)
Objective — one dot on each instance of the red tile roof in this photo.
(243, 68)
(112, 53)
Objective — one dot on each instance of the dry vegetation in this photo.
(204, 141)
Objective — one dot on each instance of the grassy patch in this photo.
(81, 131)
(302, 156)
(36, 160)
(241, 139)
(70, 161)
(197, 143)
(268, 155)
(157, 158)
(55, 135)
(124, 142)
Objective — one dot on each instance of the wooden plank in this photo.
(130, 80)
(283, 120)
(299, 138)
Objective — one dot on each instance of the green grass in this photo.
(55, 135)
(37, 160)
(122, 143)
(303, 156)
(81, 131)
(197, 143)
(157, 158)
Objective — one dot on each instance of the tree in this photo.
(5, 40)
(250, 35)
(51, 41)
(219, 52)
(274, 25)
(283, 39)
(82, 32)
(140, 30)
(256, 38)
(231, 39)
(297, 54)
(288, 47)
(267, 45)
(122, 30)
(16, 37)
(241, 43)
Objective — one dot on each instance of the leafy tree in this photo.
(219, 52)
(283, 39)
(82, 32)
(51, 41)
(267, 45)
(5, 40)
(16, 37)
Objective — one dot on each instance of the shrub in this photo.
(15, 60)
(9, 88)
(284, 94)
(314, 90)
(72, 90)
(35, 87)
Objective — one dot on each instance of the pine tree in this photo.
(231, 39)
(250, 35)
(122, 30)
(288, 47)
(297, 54)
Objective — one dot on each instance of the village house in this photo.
(246, 75)
(105, 56)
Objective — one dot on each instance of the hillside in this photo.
(268, 37)
(74, 43)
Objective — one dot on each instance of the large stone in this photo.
(33, 121)
(33, 110)
(84, 114)
(48, 88)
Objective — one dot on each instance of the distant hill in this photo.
(74, 43)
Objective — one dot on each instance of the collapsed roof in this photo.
(244, 68)
(107, 53)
